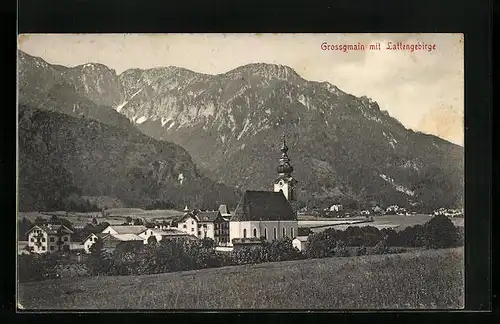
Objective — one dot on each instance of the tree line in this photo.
(179, 255)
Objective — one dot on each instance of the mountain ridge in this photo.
(345, 147)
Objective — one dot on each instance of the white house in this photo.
(199, 224)
(91, 239)
(161, 234)
(300, 242)
(336, 207)
(49, 238)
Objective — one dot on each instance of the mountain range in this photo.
(344, 148)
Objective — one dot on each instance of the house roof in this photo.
(169, 232)
(126, 237)
(99, 235)
(202, 216)
(263, 205)
(128, 229)
(52, 229)
(224, 210)
(209, 216)
(301, 238)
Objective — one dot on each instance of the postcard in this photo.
(240, 171)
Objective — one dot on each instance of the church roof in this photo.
(265, 206)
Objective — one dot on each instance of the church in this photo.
(268, 214)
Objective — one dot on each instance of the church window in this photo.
(284, 232)
(275, 232)
(254, 232)
(245, 233)
(281, 183)
(291, 232)
(265, 233)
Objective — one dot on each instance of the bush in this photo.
(412, 236)
(440, 232)
(35, 267)
(341, 249)
(361, 251)
(380, 248)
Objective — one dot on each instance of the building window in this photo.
(265, 233)
(32, 240)
(254, 232)
(43, 239)
(43, 248)
(192, 229)
(185, 226)
(284, 232)
(52, 248)
(205, 225)
(245, 233)
(192, 222)
(291, 232)
(275, 233)
(199, 232)
(51, 239)
(199, 225)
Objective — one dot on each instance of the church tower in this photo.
(285, 182)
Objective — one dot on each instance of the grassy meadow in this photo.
(418, 279)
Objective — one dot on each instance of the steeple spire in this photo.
(284, 167)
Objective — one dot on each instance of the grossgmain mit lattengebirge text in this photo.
(389, 46)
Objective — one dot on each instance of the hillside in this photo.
(416, 280)
(62, 156)
(344, 148)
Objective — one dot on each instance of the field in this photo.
(419, 279)
(397, 222)
(115, 216)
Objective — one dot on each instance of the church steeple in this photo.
(285, 182)
(284, 168)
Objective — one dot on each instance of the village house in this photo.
(112, 235)
(199, 223)
(91, 239)
(300, 243)
(49, 238)
(111, 241)
(335, 207)
(221, 230)
(268, 214)
(162, 234)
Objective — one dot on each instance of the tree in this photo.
(94, 221)
(129, 220)
(304, 231)
(152, 240)
(440, 232)
(24, 225)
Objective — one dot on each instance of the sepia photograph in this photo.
(240, 172)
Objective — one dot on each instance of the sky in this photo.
(423, 89)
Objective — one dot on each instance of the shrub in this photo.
(361, 251)
(320, 245)
(440, 232)
(34, 267)
(412, 236)
(380, 248)
(341, 249)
